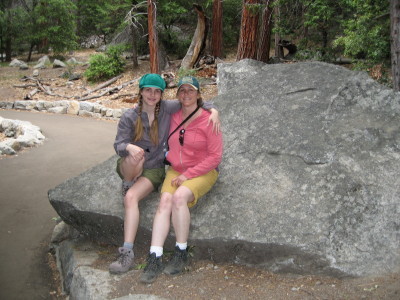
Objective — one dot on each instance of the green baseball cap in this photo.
(152, 80)
(189, 80)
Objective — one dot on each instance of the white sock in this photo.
(182, 246)
(157, 250)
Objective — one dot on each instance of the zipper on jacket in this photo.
(180, 157)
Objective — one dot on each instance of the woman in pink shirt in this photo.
(195, 152)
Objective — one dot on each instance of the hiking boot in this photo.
(153, 268)
(178, 262)
(124, 262)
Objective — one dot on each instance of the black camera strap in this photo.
(183, 122)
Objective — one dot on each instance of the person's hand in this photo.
(177, 181)
(214, 118)
(135, 152)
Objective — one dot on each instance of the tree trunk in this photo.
(198, 41)
(216, 40)
(278, 47)
(134, 47)
(247, 47)
(8, 49)
(30, 52)
(153, 37)
(265, 35)
(1, 49)
(395, 42)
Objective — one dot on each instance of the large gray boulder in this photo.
(308, 184)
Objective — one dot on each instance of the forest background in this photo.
(352, 31)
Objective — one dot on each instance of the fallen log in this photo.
(39, 87)
(31, 94)
(23, 86)
(108, 91)
(102, 86)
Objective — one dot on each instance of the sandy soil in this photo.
(203, 279)
(11, 82)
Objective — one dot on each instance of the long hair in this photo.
(139, 124)
(200, 101)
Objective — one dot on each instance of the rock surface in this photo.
(19, 134)
(309, 180)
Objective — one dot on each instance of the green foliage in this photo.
(56, 23)
(13, 24)
(170, 13)
(173, 41)
(230, 21)
(105, 66)
(101, 17)
(366, 34)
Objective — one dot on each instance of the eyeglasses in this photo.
(181, 136)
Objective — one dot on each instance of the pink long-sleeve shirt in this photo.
(202, 149)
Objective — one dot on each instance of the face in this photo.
(187, 95)
(151, 96)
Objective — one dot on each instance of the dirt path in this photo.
(72, 145)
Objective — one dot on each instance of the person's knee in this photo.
(180, 200)
(130, 199)
(165, 203)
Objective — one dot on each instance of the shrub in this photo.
(105, 66)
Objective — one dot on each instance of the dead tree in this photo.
(198, 41)
(395, 42)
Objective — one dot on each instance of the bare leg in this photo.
(137, 192)
(181, 213)
(161, 223)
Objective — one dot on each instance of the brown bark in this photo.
(8, 49)
(248, 32)
(134, 47)
(153, 37)
(216, 39)
(395, 42)
(278, 48)
(198, 41)
(265, 35)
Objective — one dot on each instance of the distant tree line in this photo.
(320, 29)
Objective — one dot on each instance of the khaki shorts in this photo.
(198, 185)
(156, 176)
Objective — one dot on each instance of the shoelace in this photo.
(178, 255)
(152, 263)
(123, 258)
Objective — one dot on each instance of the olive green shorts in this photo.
(156, 176)
(199, 186)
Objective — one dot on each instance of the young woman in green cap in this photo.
(142, 133)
